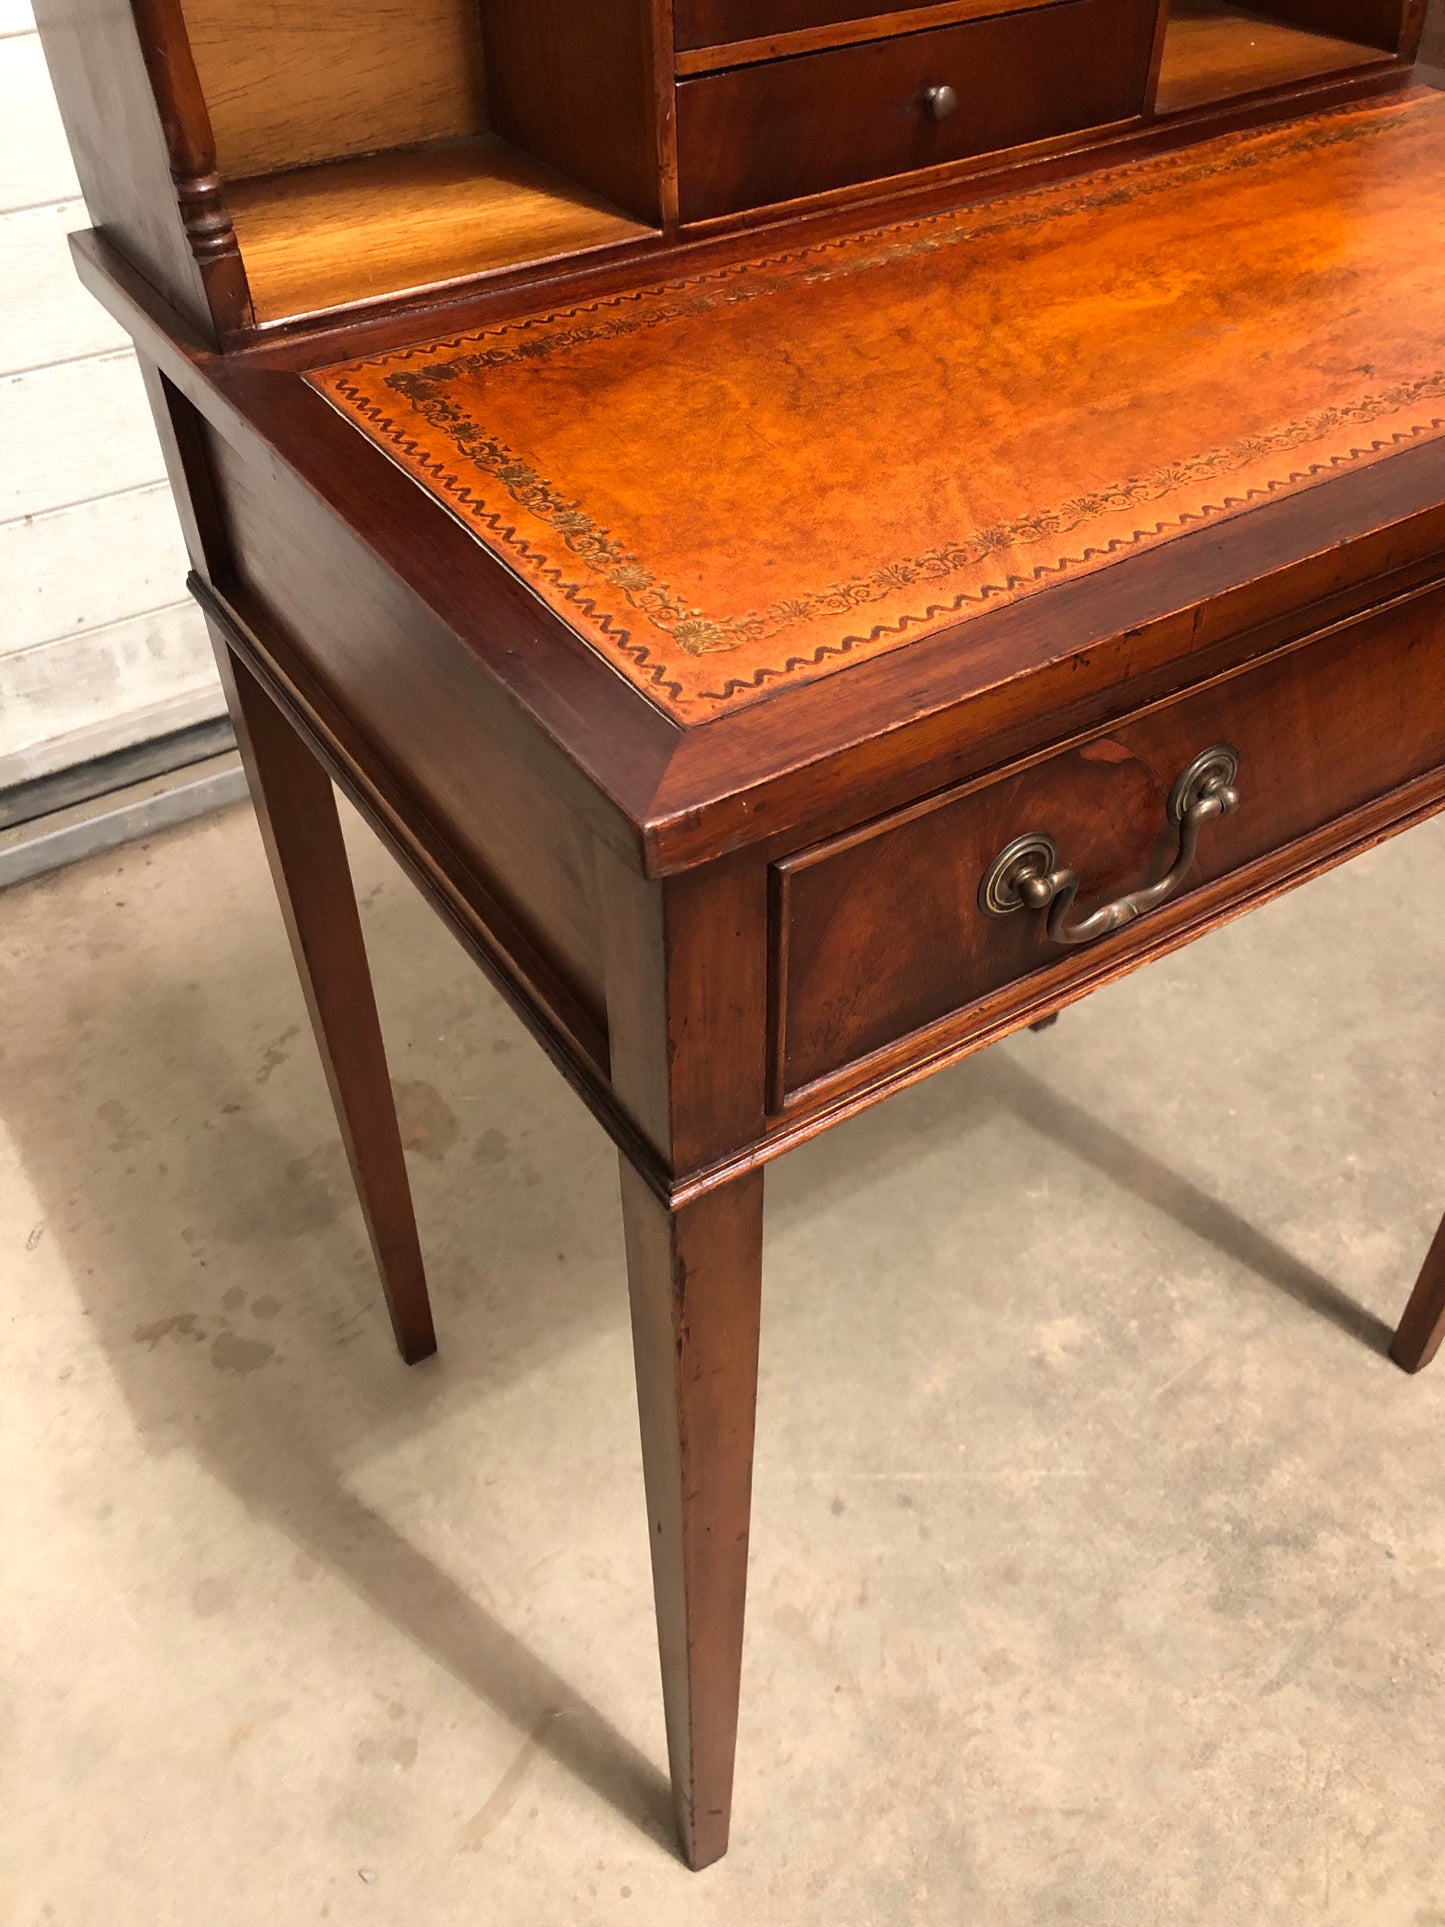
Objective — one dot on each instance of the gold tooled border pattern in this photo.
(420, 382)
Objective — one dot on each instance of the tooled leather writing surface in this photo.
(739, 481)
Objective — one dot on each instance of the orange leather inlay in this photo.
(743, 480)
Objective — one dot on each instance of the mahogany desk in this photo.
(794, 667)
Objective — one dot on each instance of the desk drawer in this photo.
(786, 128)
(880, 933)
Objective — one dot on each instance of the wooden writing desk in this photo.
(793, 651)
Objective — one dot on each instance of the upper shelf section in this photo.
(1214, 52)
(349, 231)
(375, 147)
(309, 81)
(269, 164)
(265, 165)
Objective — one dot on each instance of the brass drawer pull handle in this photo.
(1026, 876)
(940, 101)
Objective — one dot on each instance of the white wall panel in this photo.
(81, 430)
(35, 163)
(98, 649)
(81, 567)
(45, 314)
(103, 689)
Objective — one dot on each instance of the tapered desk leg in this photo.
(1423, 1326)
(296, 808)
(695, 1279)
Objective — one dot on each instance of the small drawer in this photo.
(787, 128)
(882, 934)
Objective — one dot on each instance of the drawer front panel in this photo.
(788, 128)
(712, 23)
(881, 933)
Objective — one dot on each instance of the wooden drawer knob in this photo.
(940, 101)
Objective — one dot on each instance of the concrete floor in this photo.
(1099, 1555)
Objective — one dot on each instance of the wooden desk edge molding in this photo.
(816, 536)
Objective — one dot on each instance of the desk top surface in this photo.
(746, 479)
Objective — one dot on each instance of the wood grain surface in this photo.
(318, 79)
(785, 129)
(129, 164)
(839, 450)
(879, 933)
(1422, 1328)
(695, 1284)
(704, 23)
(842, 33)
(1213, 52)
(301, 829)
(354, 230)
(573, 82)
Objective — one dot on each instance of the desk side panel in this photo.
(482, 778)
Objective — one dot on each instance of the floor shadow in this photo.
(1155, 1183)
(173, 1181)
(428, 1607)
(171, 1115)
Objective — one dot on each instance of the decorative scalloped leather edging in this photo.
(421, 405)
